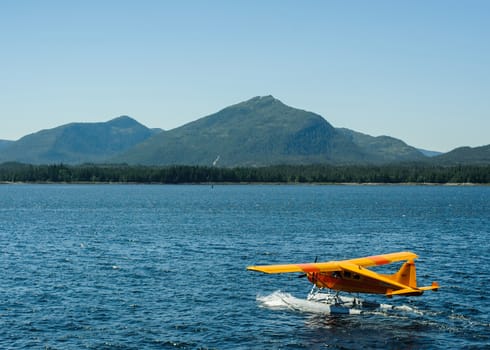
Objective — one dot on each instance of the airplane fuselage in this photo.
(347, 281)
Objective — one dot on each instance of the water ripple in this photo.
(163, 267)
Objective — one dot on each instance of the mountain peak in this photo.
(267, 98)
(123, 121)
(78, 142)
(258, 131)
(262, 100)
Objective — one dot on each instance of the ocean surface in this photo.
(163, 267)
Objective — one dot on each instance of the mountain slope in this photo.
(465, 155)
(77, 142)
(256, 132)
(5, 143)
(261, 131)
(429, 153)
(383, 149)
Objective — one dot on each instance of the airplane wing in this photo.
(382, 259)
(334, 265)
(308, 267)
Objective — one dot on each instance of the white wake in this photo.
(322, 303)
(286, 301)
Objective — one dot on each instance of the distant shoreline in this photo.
(409, 174)
(373, 184)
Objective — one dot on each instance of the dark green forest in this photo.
(392, 174)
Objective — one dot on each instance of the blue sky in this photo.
(415, 70)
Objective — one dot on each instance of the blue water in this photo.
(163, 267)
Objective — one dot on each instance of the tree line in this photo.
(179, 174)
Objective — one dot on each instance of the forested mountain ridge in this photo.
(256, 132)
(465, 155)
(264, 131)
(261, 131)
(383, 149)
(5, 143)
(77, 143)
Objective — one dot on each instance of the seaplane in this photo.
(353, 276)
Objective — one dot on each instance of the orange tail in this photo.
(407, 274)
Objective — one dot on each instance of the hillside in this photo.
(263, 131)
(465, 155)
(5, 143)
(77, 142)
(383, 149)
(429, 153)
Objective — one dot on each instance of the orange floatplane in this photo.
(353, 275)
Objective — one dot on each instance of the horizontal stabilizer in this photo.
(434, 287)
(414, 291)
(405, 291)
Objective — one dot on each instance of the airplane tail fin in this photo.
(407, 274)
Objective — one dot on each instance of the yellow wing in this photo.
(335, 265)
(308, 267)
(382, 259)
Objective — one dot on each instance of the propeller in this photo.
(314, 274)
